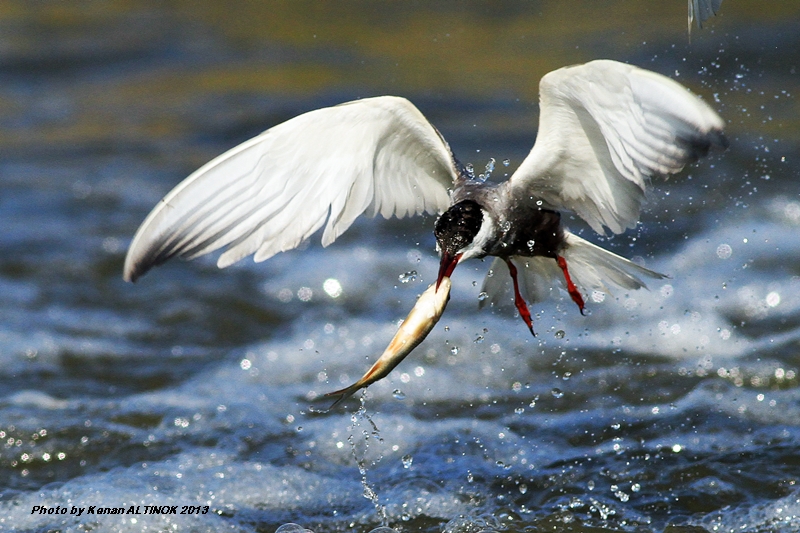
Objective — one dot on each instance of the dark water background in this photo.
(675, 410)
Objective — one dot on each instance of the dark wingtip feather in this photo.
(138, 264)
(135, 270)
(700, 145)
(132, 273)
(718, 138)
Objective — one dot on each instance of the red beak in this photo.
(446, 266)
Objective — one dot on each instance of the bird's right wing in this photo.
(604, 129)
(325, 167)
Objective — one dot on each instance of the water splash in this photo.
(407, 277)
(356, 420)
(487, 173)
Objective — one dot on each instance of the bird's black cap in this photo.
(458, 226)
(455, 230)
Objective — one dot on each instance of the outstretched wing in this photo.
(328, 166)
(604, 128)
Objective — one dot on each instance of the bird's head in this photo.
(462, 232)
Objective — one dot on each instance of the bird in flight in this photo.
(605, 128)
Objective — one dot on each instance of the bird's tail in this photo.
(591, 268)
(595, 269)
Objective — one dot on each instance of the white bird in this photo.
(604, 129)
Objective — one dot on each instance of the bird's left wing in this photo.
(604, 128)
(325, 167)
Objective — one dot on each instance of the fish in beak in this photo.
(419, 322)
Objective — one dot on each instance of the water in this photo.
(674, 409)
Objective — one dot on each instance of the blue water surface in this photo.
(185, 402)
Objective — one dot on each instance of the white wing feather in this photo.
(604, 128)
(267, 195)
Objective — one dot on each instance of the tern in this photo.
(605, 128)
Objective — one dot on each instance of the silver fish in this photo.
(419, 322)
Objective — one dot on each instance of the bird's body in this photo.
(605, 128)
(519, 228)
(489, 220)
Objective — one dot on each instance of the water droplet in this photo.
(531, 243)
(519, 410)
(557, 393)
(560, 334)
(479, 339)
(407, 277)
(399, 395)
(332, 287)
(454, 350)
(470, 170)
(506, 162)
(304, 294)
(590, 485)
(482, 296)
(489, 169)
(523, 488)
(470, 478)
(407, 460)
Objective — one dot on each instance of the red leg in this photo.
(571, 288)
(522, 307)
